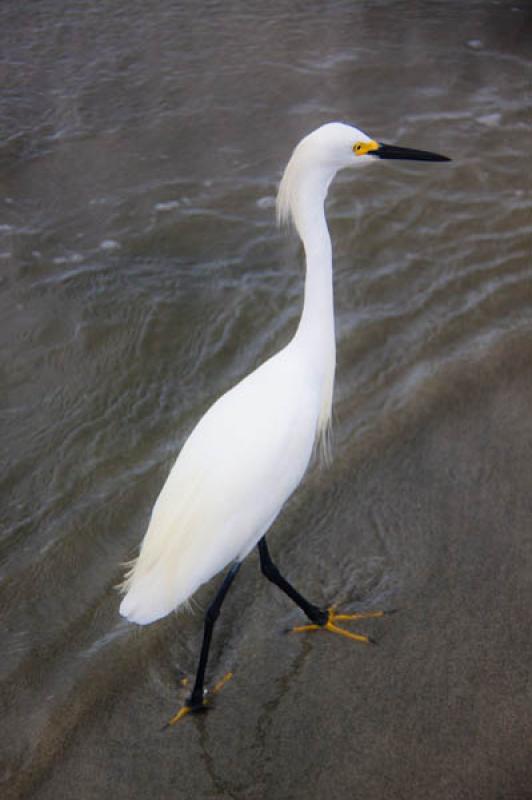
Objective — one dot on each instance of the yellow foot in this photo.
(203, 705)
(331, 626)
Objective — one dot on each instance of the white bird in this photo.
(250, 450)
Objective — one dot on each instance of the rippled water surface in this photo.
(141, 275)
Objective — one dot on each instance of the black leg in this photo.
(195, 701)
(270, 571)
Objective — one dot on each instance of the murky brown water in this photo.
(142, 275)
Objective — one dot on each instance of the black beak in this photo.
(391, 151)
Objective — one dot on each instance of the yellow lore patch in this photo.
(363, 148)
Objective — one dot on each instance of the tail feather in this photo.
(154, 585)
(165, 575)
(148, 599)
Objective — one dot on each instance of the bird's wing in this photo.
(240, 464)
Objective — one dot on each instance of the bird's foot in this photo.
(195, 704)
(333, 618)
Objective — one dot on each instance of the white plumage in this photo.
(238, 467)
(251, 449)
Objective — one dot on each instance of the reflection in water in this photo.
(142, 275)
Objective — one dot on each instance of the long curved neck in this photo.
(302, 194)
(317, 320)
(316, 326)
(315, 338)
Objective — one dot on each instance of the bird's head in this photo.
(330, 148)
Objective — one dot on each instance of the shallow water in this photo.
(142, 275)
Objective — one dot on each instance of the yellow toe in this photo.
(221, 683)
(205, 702)
(360, 615)
(332, 627)
(356, 637)
(304, 628)
(180, 714)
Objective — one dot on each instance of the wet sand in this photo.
(440, 708)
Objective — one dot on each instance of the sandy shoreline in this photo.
(441, 708)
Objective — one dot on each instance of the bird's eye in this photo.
(358, 148)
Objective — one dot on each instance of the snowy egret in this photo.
(250, 450)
